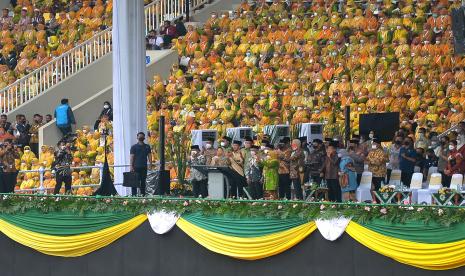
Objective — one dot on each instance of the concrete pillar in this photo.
(129, 103)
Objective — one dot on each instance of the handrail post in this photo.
(100, 167)
(41, 179)
(188, 5)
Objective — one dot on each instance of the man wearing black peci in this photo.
(140, 156)
(62, 167)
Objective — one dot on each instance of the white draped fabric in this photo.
(129, 103)
(162, 222)
(332, 229)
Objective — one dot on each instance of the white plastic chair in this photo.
(417, 181)
(416, 185)
(364, 190)
(434, 184)
(456, 181)
(395, 177)
(431, 170)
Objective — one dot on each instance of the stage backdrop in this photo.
(142, 252)
(383, 124)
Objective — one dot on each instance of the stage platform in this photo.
(120, 236)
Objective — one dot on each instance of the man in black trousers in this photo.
(140, 156)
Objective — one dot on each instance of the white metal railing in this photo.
(74, 60)
(60, 68)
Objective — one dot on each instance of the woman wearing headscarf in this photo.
(106, 111)
(347, 168)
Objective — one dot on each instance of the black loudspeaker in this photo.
(384, 125)
(163, 185)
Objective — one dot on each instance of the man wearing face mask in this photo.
(237, 164)
(225, 143)
(431, 160)
(140, 155)
(8, 155)
(253, 173)
(62, 167)
(284, 156)
(315, 161)
(407, 159)
(198, 179)
(442, 152)
(330, 171)
(209, 152)
(248, 142)
(21, 131)
(376, 160)
(296, 167)
(393, 153)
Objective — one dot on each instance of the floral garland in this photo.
(11, 204)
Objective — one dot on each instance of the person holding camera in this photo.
(62, 167)
(8, 155)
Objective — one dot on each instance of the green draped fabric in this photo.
(242, 227)
(65, 224)
(418, 231)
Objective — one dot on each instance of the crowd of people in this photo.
(34, 32)
(21, 159)
(159, 40)
(280, 63)
(289, 169)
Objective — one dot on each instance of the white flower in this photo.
(383, 211)
(367, 208)
(420, 209)
(294, 206)
(280, 207)
(440, 212)
(322, 207)
(410, 208)
(185, 203)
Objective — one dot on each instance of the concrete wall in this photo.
(5, 4)
(87, 111)
(204, 14)
(161, 63)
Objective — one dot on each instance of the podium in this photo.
(219, 180)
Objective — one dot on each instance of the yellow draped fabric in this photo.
(423, 255)
(70, 246)
(247, 248)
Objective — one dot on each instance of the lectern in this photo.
(219, 179)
